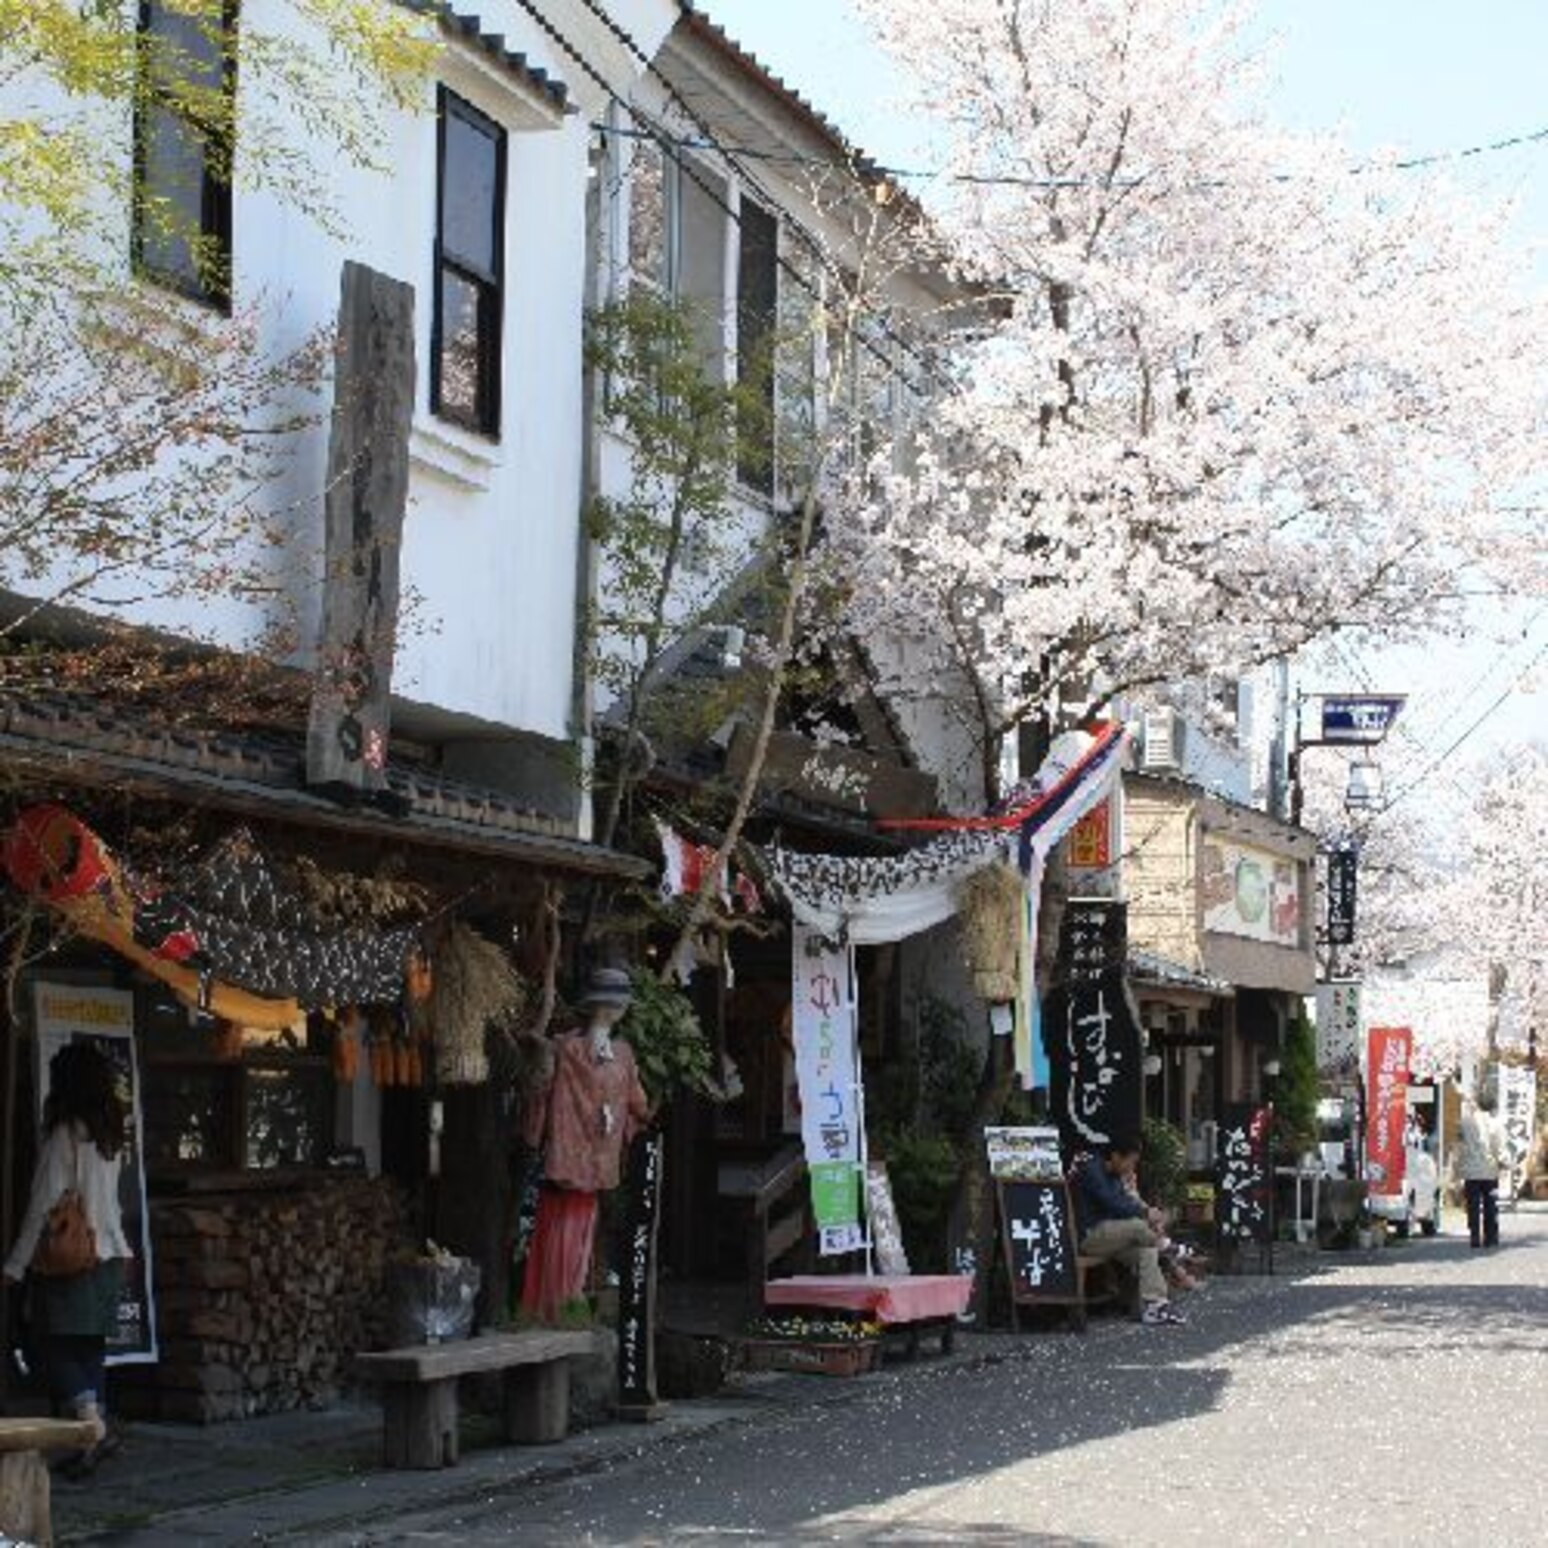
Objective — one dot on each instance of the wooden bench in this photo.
(419, 1390)
(25, 1506)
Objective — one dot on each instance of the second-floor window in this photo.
(757, 310)
(469, 268)
(183, 141)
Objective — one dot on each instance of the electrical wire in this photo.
(881, 170)
(1436, 762)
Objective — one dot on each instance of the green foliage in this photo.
(1163, 1168)
(923, 1169)
(669, 1045)
(1295, 1096)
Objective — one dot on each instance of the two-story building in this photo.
(406, 769)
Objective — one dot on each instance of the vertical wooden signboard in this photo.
(637, 1282)
(364, 506)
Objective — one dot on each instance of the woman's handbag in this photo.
(66, 1244)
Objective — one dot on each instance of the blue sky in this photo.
(1419, 76)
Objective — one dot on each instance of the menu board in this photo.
(1039, 1239)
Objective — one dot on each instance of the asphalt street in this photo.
(1397, 1399)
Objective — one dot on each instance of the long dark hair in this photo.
(83, 1089)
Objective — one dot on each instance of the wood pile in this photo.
(263, 1298)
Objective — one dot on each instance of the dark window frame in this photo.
(490, 286)
(757, 324)
(215, 196)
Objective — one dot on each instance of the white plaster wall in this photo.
(489, 557)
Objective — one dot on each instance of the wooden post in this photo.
(537, 1403)
(420, 1423)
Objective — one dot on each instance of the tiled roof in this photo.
(61, 733)
(1149, 967)
(462, 24)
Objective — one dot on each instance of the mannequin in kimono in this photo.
(583, 1120)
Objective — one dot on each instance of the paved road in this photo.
(1400, 1400)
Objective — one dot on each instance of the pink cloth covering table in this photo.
(889, 1298)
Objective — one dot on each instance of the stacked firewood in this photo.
(262, 1298)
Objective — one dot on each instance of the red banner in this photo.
(1388, 1050)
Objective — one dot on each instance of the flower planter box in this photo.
(850, 1358)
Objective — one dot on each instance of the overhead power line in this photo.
(875, 169)
(1440, 758)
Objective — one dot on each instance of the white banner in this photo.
(73, 1013)
(828, 1076)
(1518, 1118)
(1338, 1027)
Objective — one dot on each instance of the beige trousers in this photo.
(1133, 1244)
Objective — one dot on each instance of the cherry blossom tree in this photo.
(1238, 395)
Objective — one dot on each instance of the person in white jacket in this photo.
(1480, 1158)
(84, 1121)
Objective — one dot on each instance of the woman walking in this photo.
(84, 1122)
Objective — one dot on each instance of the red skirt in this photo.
(560, 1255)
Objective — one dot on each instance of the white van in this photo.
(1420, 1200)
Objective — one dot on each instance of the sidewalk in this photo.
(305, 1476)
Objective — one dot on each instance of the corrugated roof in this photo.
(465, 25)
(717, 35)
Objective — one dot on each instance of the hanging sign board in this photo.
(1386, 1102)
(1242, 1176)
(1343, 864)
(828, 1074)
(1039, 1239)
(1359, 719)
(104, 1018)
(1518, 1118)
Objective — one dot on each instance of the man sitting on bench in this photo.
(1116, 1225)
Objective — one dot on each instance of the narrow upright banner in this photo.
(1518, 1117)
(828, 1076)
(1386, 1103)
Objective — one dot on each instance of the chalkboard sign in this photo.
(1243, 1181)
(1038, 1231)
(637, 1282)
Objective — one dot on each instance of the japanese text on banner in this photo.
(1386, 1104)
(828, 1077)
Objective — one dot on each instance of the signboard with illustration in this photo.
(75, 1013)
(1029, 1154)
(1251, 892)
(828, 1073)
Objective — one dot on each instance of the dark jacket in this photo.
(1100, 1196)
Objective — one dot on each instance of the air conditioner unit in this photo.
(1161, 751)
